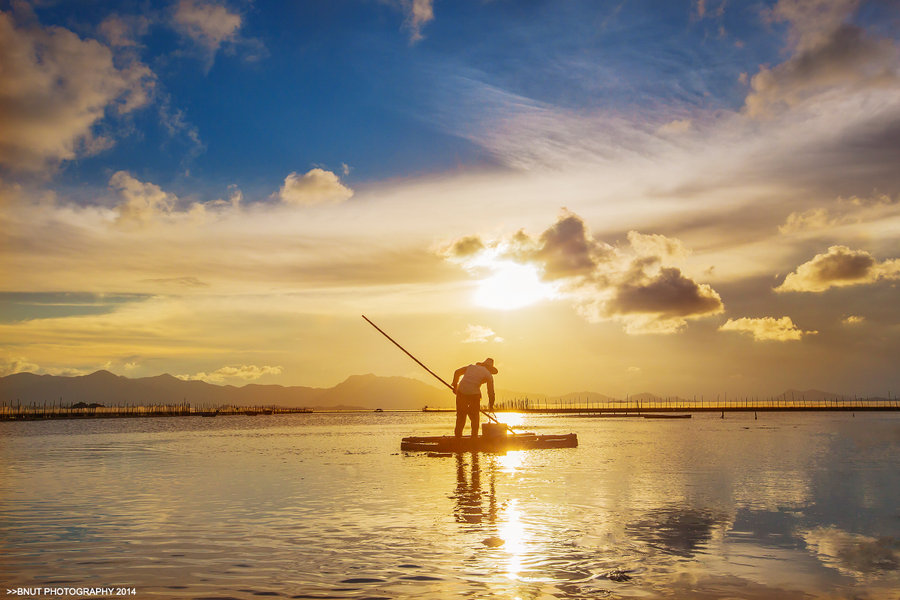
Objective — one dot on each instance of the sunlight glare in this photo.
(513, 419)
(512, 285)
(511, 461)
(512, 530)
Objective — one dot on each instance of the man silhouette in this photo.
(467, 382)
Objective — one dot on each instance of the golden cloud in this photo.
(142, 202)
(316, 186)
(767, 328)
(839, 267)
(635, 284)
(241, 372)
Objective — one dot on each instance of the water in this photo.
(325, 506)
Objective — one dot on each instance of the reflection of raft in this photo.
(488, 443)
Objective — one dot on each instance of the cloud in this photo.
(56, 88)
(827, 53)
(208, 24)
(675, 127)
(465, 246)
(766, 328)
(478, 334)
(179, 282)
(13, 365)
(853, 320)
(844, 211)
(317, 186)
(241, 372)
(667, 293)
(418, 13)
(635, 284)
(839, 267)
(566, 249)
(142, 203)
(124, 31)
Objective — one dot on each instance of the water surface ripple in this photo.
(326, 506)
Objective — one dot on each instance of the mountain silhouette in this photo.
(103, 387)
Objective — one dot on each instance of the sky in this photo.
(678, 197)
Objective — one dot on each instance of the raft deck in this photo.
(498, 443)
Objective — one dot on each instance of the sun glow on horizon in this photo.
(512, 285)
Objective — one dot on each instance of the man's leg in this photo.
(461, 410)
(474, 411)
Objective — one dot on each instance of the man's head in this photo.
(488, 364)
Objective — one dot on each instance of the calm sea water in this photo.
(325, 506)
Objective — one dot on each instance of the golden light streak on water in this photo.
(511, 461)
(515, 538)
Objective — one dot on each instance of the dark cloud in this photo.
(668, 294)
(466, 246)
(567, 249)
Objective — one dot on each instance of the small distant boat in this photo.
(488, 443)
(379, 410)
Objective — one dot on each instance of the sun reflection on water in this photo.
(513, 419)
(511, 461)
(515, 538)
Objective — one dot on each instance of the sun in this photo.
(512, 285)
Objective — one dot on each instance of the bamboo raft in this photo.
(488, 443)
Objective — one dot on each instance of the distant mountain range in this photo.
(103, 387)
(356, 392)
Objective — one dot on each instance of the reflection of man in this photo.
(468, 393)
(468, 493)
(469, 496)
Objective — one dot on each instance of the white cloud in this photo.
(207, 23)
(418, 13)
(55, 88)
(766, 328)
(479, 334)
(316, 186)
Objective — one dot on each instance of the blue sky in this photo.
(341, 83)
(696, 195)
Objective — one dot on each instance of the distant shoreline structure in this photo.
(26, 396)
(624, 408)
(98, 411)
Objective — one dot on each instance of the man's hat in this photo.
(488, 364)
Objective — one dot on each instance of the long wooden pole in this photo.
(421, 364)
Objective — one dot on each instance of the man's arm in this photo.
(490, 387)
(456, 375)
